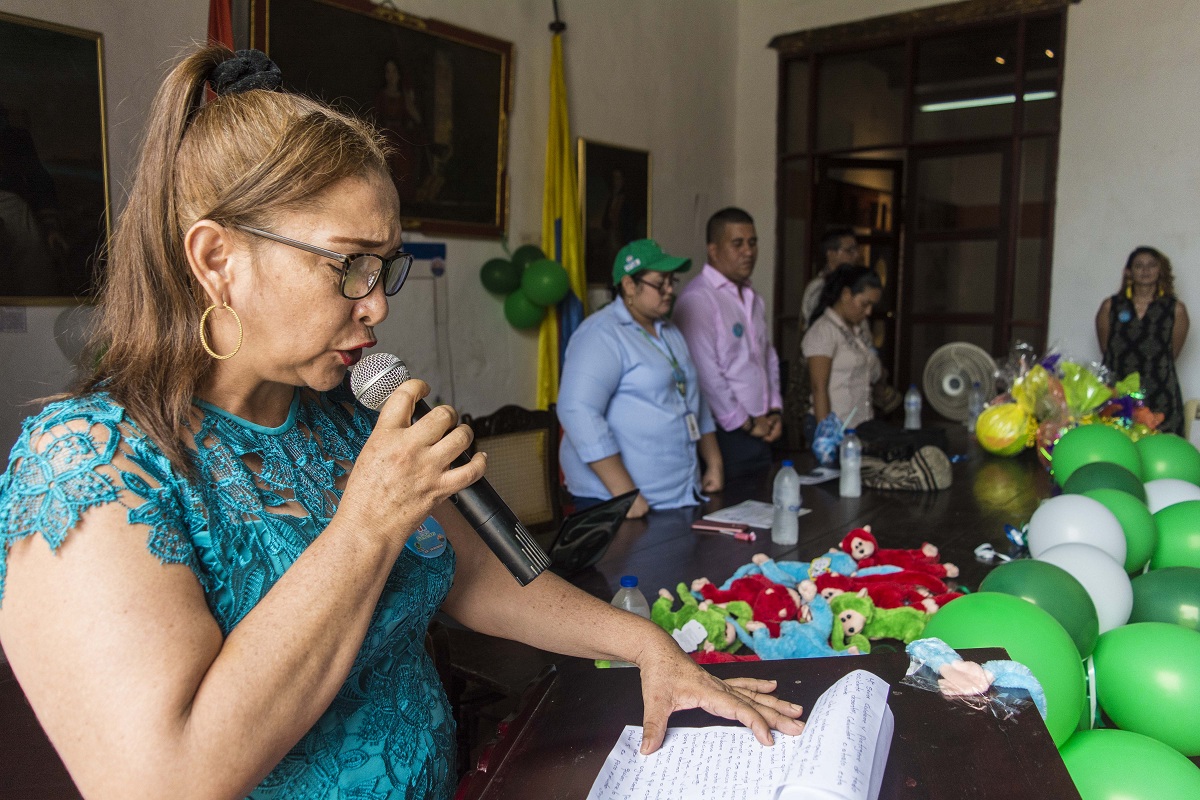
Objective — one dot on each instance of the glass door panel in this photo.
(795, 127)
(959, 192)
(956, 251)
(1028, 295)
(954, 277)
(864, 194)
(965, 85)
(860, 99)
(1043, 41)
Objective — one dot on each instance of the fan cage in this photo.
(949, 374)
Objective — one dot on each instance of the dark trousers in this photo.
(743, 454)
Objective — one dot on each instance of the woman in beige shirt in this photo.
(842, 363)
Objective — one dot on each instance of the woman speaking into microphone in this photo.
(217, 569)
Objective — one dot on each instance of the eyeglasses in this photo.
(360, 271)
(669, 281)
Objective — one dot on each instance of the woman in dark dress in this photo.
(1142, 329)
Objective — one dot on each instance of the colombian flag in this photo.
(560, 234)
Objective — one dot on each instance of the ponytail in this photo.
(236, 158)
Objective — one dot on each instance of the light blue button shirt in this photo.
(618, 395)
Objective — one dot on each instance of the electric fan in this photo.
(949, 373)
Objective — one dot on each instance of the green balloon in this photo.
(1031, 636)
(1141, 533)
(545, 282)
(1088, 443)
(521, 313)
(1168, 595)
(1178, 536)
(1148, 682)
(1119, 765)
(500, 276)
(525, 255)
(1103, 475)
(1165, 455)
(1055, 591)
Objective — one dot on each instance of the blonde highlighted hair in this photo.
(237, 159)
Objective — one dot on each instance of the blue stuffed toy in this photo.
(796, 639)
(934, 660)
(791, 573)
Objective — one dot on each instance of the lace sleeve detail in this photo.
(80, 454)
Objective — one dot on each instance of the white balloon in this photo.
(1075, 518)
(1169, 491)
(1104, 580)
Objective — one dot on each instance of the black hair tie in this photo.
(246, 71)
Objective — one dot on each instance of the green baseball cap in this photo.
(645, 254)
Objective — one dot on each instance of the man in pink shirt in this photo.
(725, 324)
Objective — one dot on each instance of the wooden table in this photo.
(988, 492)
(940, 749)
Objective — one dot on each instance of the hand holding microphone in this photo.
(373, 380)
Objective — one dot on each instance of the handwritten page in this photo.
(844, 747)
(754, 513)
(840, 756)
(714, 763)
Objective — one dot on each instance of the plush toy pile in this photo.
(834, 605)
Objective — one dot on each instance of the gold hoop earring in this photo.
(204, 339)
(1129, 288)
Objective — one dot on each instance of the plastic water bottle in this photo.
(850, 456)
(630, 597)
(974, 405)
(785, 528)
(912, 409)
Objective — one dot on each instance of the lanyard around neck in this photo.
(676, 370)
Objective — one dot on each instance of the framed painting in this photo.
(614, 194)
(54, 205)
(440, 94)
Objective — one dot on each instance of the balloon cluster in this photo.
(530, 282)
(1048, 397)
(1107, 648)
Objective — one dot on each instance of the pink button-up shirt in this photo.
(726, 332)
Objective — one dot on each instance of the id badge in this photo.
(693, 427)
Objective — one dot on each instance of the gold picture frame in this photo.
(55, 212)
(616, 202)
(441, 94)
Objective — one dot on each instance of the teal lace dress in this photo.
(263, 496)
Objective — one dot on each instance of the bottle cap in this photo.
(787, 462)
(628, 581)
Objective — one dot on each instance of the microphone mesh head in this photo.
(373, 379)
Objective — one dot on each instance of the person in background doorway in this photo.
(1142, 329)
(725, 323)
(840, 248)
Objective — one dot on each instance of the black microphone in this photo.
(373, 380)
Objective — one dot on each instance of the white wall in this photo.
(655, 76)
